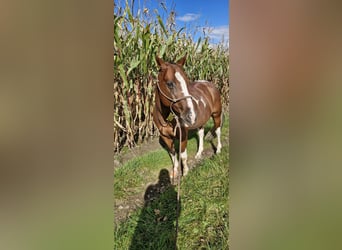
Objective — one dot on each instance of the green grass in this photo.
(203, 220)
(204, 215)
(129, 178)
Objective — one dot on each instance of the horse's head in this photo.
(173, 90)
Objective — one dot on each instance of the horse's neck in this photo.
(163, 110)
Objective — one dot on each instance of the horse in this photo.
(193, 103)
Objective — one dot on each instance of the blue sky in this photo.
(212, 15)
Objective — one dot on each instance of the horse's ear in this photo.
(181, 61)
(160, 62)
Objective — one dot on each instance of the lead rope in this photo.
(179, 174)
(173, 101)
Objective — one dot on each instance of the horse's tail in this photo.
(222, 119)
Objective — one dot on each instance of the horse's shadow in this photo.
(156, 224)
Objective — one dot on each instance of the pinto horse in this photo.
(192, 102)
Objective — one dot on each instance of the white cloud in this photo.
(188, 17)
(218, 32)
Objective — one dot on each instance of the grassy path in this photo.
(145, 200)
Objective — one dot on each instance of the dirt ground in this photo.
(122, 208)
(147, 146)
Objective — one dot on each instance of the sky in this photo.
(209, 14)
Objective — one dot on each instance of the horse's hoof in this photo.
(198, 156)
(173, 176)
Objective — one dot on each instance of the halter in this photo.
(178, 126)
(173, 101)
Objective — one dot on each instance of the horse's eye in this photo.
(169, 84)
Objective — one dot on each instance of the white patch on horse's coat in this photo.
(201, 81)
(175, 164)
(203, 102)
(186, 93)
(200, 146)
(184, 157)
(174, 161)
(219, 145)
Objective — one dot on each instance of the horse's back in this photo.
(206, 86)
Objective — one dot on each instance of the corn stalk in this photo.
(137, 39)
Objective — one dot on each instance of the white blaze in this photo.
(186, 93)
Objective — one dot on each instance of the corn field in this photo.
(138, 38)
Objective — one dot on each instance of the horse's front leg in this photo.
(169, 143)
(175, 163)
(184, 155)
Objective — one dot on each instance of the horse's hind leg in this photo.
(217, 127)
(200, 143)
(219, 145)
